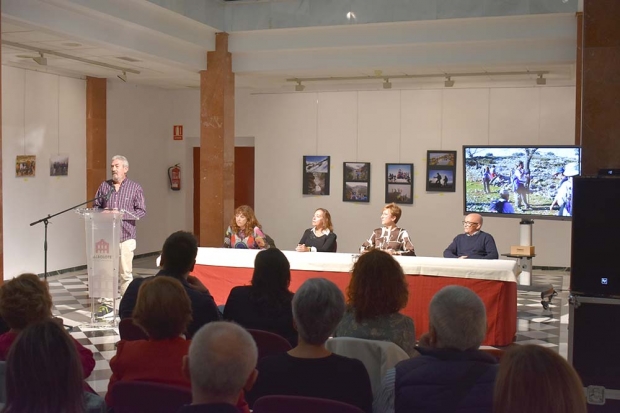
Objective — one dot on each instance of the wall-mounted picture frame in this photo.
(441, 171)
(315, 175)
(356, 182)
(25, 166)
(59, 165)
(399, 183)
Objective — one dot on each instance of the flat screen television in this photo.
(520, 181)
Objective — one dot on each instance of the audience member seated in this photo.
(451, 374)
(473, 243)
(266, 304)
(321, 237)
(376, 293)
(25, 300)
(389, 237)
(221, 365)
(178, 257)
(535, 379)
(245, 232)
(44, 373)
(310, 369)
(163, 310)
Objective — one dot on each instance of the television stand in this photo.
(547, 292)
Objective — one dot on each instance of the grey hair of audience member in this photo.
(458, 318)
(221, 358)
(318, 307)
(122, 159)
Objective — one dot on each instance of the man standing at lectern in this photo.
(122, 194)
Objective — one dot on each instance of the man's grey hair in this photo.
(122, 159)
(318, 307)
(221, 358)
(458, 317)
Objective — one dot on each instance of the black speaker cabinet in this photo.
(595, 253)
(594, 350)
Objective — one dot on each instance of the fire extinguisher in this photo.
(174, 176)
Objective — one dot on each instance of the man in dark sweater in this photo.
(178, 257)
(474, 243)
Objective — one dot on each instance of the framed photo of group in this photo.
(316, 175)
(441, 171)
(356, 182)
(399, 183)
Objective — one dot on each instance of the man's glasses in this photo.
(469, 224)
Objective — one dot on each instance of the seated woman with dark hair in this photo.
(310, 369)
(376, 293)
(266, 304)
(535, 379)
(44, 374)
(321, 237)
(245, 231)
(25, 300)
(163, 310)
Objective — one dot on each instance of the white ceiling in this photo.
(169, 49)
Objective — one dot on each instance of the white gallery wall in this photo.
(390, 127)
(42, 115)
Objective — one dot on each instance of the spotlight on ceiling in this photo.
(42, 60)
(541, 80)
(387, 84)
(123, 77)
(299, 87)
(449, 82)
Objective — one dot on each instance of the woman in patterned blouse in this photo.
(244, 231)
(390, 238)
(377, 292)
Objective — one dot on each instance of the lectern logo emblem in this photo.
(102, 250)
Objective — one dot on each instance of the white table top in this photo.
(499, 270)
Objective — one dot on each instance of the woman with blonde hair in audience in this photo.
(25, 300)
(44, 374)
(266, 303)
(321, 237)
(377, 292)
(534, 379)
(245, 232)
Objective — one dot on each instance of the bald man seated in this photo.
(473, 243)
(221, 364)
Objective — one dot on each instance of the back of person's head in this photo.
(221, 361)
(178, 254)
(535, 379)
(163, 309)
(318, 307)
(458, 318)
(271, 279)
(378, 286)
(25, 300)
(43, 372)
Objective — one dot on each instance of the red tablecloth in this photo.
(499, 297)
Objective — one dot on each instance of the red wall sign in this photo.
(177, 132)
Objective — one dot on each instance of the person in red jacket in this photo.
(25, 300)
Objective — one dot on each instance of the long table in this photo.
(221, 269)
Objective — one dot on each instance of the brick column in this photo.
(217, 144)
(600, 132)
(96, 139)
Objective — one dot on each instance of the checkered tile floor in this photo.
(535, 325)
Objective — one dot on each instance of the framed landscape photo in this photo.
(399, 183)
(316, 175)
(441, 171)
(356, 182)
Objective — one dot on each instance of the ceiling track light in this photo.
(449, 82)
(387, 84)
(123, 77)
(299, 87)
(41, 60)
(541, 80)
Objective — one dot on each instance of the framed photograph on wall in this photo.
(25, 166)
(356, 182)
(441, 171)
(399, 183)
(59, 165)
(316, 175)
